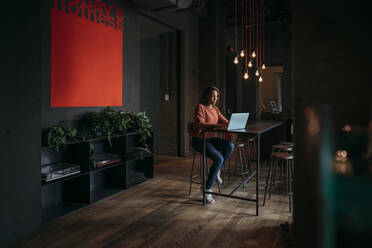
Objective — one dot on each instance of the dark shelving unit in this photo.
(67, 194)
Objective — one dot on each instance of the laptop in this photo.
(238, 121)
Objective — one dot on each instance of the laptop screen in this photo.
(238, 121)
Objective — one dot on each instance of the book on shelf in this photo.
(105, 158)
(55, 171)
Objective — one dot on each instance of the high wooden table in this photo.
(252, 128)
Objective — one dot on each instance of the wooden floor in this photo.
(160, 213)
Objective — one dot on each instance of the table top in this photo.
(252, 127)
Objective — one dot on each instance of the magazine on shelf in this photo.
(59, 170)
(106, 158)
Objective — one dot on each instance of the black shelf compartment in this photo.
(76, 154)
(59, 180)
(138, 170)
(61, 197)
(134, 147)
(102, 147)
(106, 181)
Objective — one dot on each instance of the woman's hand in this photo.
(216, 126)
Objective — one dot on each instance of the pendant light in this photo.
(242, 53)
(236, 61)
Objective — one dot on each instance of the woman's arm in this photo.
(221, 118)
(200, 119)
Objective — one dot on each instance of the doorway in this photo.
(271, 88)
(160, 84)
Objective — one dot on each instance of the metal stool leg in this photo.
(289, 185)
(267, 179)
(273, 175)
(192, 173)
(249, 155)
(246, 167)
(241, 165)
(254, 147)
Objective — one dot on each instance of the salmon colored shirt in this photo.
(205, 117)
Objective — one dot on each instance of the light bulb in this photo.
(257, 73)
(260, 79)
(250, 64)
(246, 75)
(236, 61)
(242, 54)
(263, 66)
(253, 54)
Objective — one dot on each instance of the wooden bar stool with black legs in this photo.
(251, 146)
(287, 143)
(241, 161)
(282, 147)
(276, 158)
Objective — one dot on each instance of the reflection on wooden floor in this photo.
(160, 213)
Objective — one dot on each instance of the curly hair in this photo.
(206, 92)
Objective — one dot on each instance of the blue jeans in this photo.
(212, 148)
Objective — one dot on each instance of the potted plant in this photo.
(58, 135)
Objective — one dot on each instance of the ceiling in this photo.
(274, 11)
(168, 5)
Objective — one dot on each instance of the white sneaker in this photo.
(209, 197)
(219, 179)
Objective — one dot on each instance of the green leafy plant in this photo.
(143, 127)
(107, 122)
(88, 124)
(96, 124)
(58, 135)
(106, 125)
(122, 121)
(92, 153)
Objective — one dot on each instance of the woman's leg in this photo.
(225, 146)
(213, 154)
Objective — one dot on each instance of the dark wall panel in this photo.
(20, 81)
(211, 45)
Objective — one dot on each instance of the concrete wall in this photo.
(20, 84)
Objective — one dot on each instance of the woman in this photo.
(207, 115)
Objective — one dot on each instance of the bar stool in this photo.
(277, 157)
(244, 167)
(251, 143)
(287, 143)
(283, 148)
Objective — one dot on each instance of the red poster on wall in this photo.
(86, 54)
